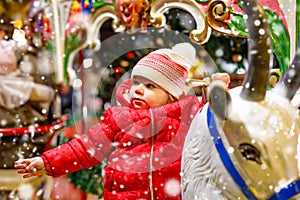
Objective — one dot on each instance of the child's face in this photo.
(145, 94)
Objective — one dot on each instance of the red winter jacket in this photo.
(143, 150)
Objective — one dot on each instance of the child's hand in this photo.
(31, 167)
(224, 77)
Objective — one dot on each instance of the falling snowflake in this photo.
(172, 187)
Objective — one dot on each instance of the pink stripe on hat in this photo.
(166, 68)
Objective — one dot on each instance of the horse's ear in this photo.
(219, 100)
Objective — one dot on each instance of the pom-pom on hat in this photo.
(167, 67)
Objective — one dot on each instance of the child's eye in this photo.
(149, 85)
(134, 82)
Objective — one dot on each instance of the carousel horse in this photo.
(244, 143)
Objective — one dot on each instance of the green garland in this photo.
(278, 33)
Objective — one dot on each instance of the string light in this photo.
(19, 33)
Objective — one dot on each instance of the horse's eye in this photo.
(250, 152)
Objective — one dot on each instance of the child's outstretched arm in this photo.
(31, 167)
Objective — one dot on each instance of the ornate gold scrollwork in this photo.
(91, 40)
(202, 32)
(102, 15)
(217, 17)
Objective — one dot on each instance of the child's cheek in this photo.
(131, 91)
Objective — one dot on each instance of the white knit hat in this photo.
(167, 67)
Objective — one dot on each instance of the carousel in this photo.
(62, 59)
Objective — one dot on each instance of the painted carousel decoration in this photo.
(244, 144)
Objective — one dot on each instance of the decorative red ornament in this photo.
(46, 27)
(117, 70)
(130, 55)
(46, 23)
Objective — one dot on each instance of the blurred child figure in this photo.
(142, 139)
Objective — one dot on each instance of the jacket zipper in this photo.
(151, 155)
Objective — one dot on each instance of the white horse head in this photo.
(244, 142)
